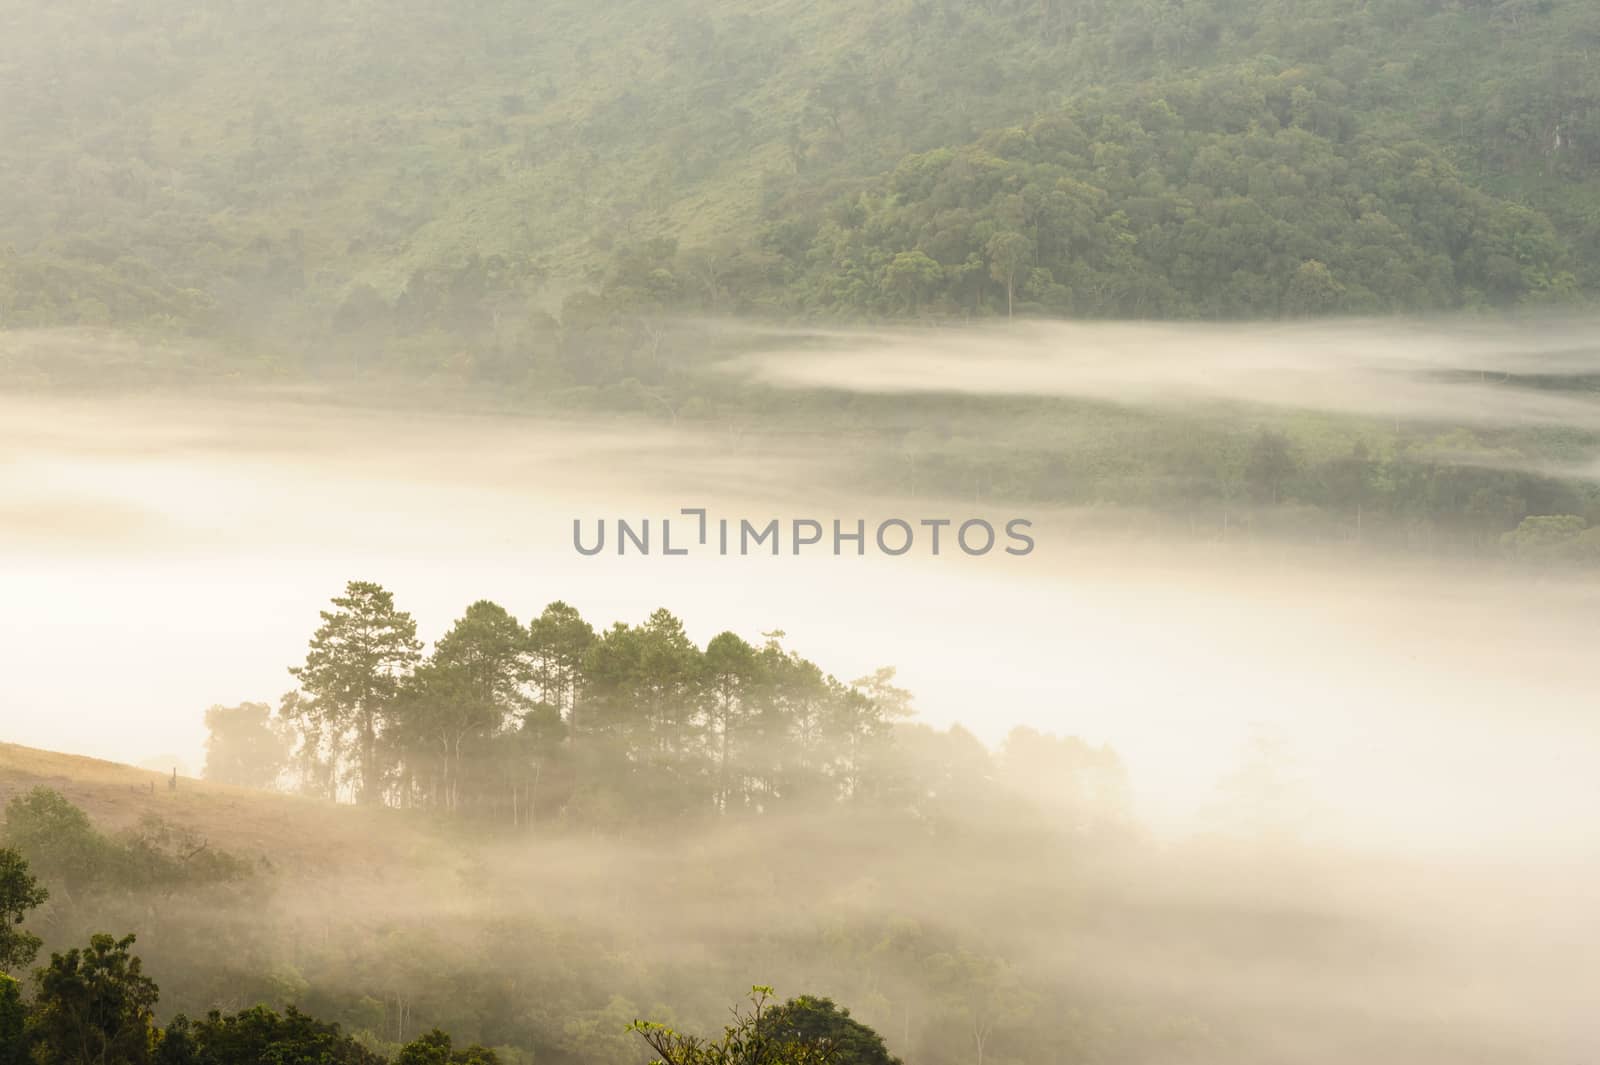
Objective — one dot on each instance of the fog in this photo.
(194, 539)
(1278, 744)
(161, 553)
(1448, 370)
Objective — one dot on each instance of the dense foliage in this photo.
(1238, 195)
(437, 182)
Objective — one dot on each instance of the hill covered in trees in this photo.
(480, 182)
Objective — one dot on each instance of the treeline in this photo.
(1331, 480)
(1256, 192)
(519, 723)
(95, 1005)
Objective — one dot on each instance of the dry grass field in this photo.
(291, 831)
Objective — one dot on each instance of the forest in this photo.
(449, 190)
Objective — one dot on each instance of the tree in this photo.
(164, 857)
(20, 892)
(13, 1023)
(1349, 480)
(891, 701)
(981, 994)
(794, 721)
(748, 1040)
(818, 1021)
(644, 680)
(731, 672)
(642, 745)
(912, 275)
(536, 744)
(1551, 537)
(314, 761)
(1312, 290)
(245, 746)
(1270, 465)
(358, 658)
(557, 641)
(1008, 252)
(57, 839)
(259, 1035)
(471, 686)
(857, 722)
(434, 1048)
(95, 1006)
(486, 651)
(1088, 785)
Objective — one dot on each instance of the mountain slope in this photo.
(237, 169)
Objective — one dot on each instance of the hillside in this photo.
(387, 168)
(292, 832)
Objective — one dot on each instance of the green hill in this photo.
(283, 172)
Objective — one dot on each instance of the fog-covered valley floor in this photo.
(1361, 780)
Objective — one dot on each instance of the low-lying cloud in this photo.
(1478, 372)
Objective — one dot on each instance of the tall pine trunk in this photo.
(369, 758)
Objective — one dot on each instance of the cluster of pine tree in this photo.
(514, 723)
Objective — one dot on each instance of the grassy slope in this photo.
(294, 832)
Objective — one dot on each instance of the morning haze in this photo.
(322, 325)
